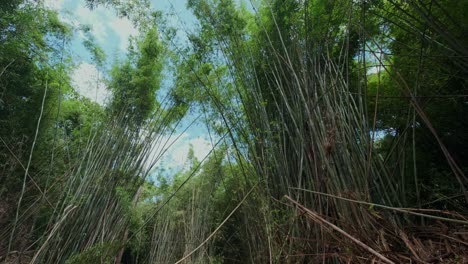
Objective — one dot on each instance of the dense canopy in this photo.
(338, 130)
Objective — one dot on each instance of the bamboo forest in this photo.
(233, 131)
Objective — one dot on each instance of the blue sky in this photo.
(112, 33)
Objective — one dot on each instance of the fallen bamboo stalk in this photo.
(314, 216)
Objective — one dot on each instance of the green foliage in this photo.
(326, 102)
(418, 66)
(32, 39)
(138, 11)
(135, 82)
(316, 82)
(89, 42)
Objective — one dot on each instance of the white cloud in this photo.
(178, 145)
(97, 19)
(87, 81)
(201, 147)
(104, 20)
(54, 4)
(124, 29)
